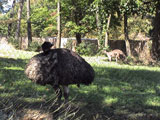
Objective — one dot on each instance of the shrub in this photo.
(34, 46)
(14, 42)
(86, 48)
(68, 45)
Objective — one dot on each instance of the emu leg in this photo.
(66, 92)
(58, 92)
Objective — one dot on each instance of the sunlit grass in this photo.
(13, 68)
(109, 100)
(153, 101)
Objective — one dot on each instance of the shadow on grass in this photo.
(121, 94)
(22, 99)
(116, 94)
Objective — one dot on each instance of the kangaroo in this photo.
(118, 54)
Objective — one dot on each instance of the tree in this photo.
(103, 13)
(58, 24)
(98, 22)
(44, 18)
(21, 3)
(107, 34)
(125, 9)
(75, 15)
(11, 16)
(153, 7)
(128, 49)
(128, 8)
(29, 31)
(156, 32)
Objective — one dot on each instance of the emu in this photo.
(59, 67)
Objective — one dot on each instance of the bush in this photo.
(34, 46)
(14, 42)
(69, 45)
(86, 48)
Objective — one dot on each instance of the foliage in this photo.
(130, 6)
(23, 28)
(14, 42)
(102, 12)
(3, 27)
(73, 28)
(43, 22)
(138, 25)
(106, 48)
(77, 17)
(69, 44)
(86, 17)
(86, 48)
(34, 46)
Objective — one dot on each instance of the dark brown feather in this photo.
(61, 66)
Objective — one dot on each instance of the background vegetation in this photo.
(113, 20)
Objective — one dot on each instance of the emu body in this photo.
(60, 67)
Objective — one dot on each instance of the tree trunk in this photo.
(11, 16)
(58, 43)
(128, 49)
(78, 38)
(98, 23)
(19, 21)
(107, 35)
(29, 30)
(78, 17)
(156, 34)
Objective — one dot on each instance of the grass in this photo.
(119, 91)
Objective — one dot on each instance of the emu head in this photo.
(46, 46)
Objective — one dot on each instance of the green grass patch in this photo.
(119, 91)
